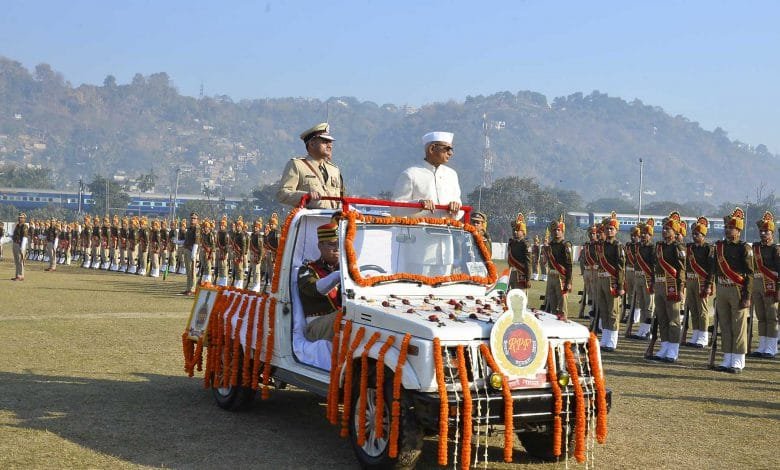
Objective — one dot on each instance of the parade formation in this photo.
(435, 295)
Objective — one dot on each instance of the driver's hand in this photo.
(454, 206)
(314, 195)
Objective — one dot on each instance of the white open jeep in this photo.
(424, 345)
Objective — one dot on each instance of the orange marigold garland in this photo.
(246, 378)
(395, 414)
(188, 347)
(269, 348)
(509, 424)
(379, 427)
(552, 377)
(226, 346)
(280, 249)
(444, 408)
(465, 449)
(601, 390)
(354, 271)
(219, 306)
(348, 381)
(259, 342)
(363, 405)
(236, 353)
(333, 411)
(579, 406)
(333, 385)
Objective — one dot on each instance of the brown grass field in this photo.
(91, 376)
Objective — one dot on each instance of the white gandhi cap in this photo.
(438, 137)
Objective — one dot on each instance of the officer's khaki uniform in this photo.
(320, 310)
(697, 286)
(19, 240)
(732, 318)
(191, 244)
(558, 255)
(305, 174)
(668, 290)
(764, 296)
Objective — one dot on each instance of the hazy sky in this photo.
(715, 62)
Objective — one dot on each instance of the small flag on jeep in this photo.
(502, 283)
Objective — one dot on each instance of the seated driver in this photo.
(319, 287)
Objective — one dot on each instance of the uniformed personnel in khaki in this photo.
(734, 269)
(315, 174)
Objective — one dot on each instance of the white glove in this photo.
(195, 251)
(328, 282)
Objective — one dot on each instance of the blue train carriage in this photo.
(627, 221)
(29, 198)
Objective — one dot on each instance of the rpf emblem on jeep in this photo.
(519, 344)
(517, 341)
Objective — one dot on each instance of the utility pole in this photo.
(81, 195)
(107, 205)
(487, 155)
(639, 215)
(175, 194)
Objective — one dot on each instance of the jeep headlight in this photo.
(496, 380)
(563, 378)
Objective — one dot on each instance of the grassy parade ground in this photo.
(91, 376)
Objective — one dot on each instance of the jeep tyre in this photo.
(232, 398)
(374, 452)
(540, 445)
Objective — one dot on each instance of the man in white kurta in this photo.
(431, 183)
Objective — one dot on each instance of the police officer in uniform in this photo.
(240, 248)
(319, 285)
(699, 259)
(631, 268)
(51, 234)
(734, 268)
(315, 174)
(479, 221)
(558, 254)
(519, 256)
(643, 286)
(124, 230)
(256, 253)
(20, 238)
(113, 244)
(155, 244)
(765, 292)
(223, 248)
(669, 276)
(589, 262)
(190, 252)
(271, 243)
(86, 241)
(208, 244)
(609, 285)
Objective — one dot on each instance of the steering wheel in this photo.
(372, 267)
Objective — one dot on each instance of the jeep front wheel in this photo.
(540, 445)
(232, 398)
(374, 453)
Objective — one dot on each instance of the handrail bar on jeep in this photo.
(346, 201)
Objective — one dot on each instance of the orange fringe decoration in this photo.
(227, 337)
(601, 390)
(348, 381)
(579, 407)
(509, 424)
(280, 249)
(396, 409)
(465, 448)
(552, 377)
(361, 437)
(269, 348)
(250, 326)
(335, 374)
(379, 427)
(188, 347)
(236, 353)
(259, 342)
(333, 385)
(354, 271)
(444, 409)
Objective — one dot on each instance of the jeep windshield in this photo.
(427, 254)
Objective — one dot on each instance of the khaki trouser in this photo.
(51, 252)
(320, 327)
(588, 279)
(630, 281)
(115, 255)
(668, 314)
(607, 304)
(534, 263)
(132, 257)
(189, 265)
(143, 257)
(123, 256)
(765, 307)
(95, 252)
(732, 319)
(207, 262)
(555, 300)
(106, 254)
(222, 263)
(240, 264)
(19, 259)
(643, 299)
(699, 311)
(154, 262)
